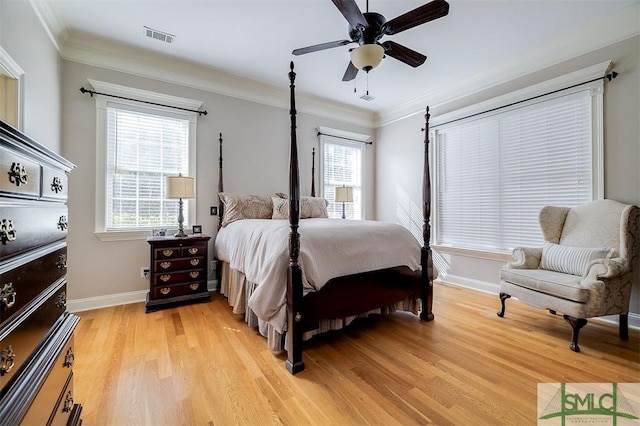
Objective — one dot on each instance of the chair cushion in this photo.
(557, 284)
(571, 260)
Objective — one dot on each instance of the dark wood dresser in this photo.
(178, 271)
(36, 331)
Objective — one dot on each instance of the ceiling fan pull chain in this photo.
(367, 83)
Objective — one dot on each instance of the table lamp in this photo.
(344, 194)
(180, 187)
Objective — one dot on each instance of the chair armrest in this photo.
(605, 268)
(525, 258)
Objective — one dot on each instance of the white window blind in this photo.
(342, 164)
(143, 148)
(495, 172)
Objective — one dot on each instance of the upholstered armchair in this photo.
(586, 267)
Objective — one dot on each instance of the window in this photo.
(342, 164)
(496, 170)
(139, 146)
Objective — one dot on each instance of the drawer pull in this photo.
(7, 231)
(165, 278)
(194, 286)
(61, 303)
(165, 290)
(7, 296)
(69, 358)
(18, 174)
(7, 358)
(193, 250)
(167, 252)
(194, 274)
(56, 185)
(165, 265)
(62, 223)
(194, 262)
(68, 403)
(62, 261)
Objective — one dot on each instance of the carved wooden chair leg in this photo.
(623, 326)
(503, 297)
(576, 325)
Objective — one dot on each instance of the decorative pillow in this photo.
(241, 206)
(571, 260)
(310, 207)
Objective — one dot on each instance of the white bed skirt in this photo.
(237, 289)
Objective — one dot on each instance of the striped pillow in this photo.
(571, 260)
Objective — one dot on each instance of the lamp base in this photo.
(180, 234)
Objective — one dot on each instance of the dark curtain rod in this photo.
(609, 77)
(91, 92)
(342, 137)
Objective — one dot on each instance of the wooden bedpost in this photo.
(294, 361)
(426, 257)
(313, 172)
(220, 185)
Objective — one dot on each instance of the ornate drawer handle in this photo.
(165, 290)
(18, 174)
(165, 277)
(69, 358)
(194, 262)
(7, 357)
(56, 185)
(194, 274)
(68, 403)
(165, 265)
(7, 296)
(62, 223)
(61, 303)
(193, 250)
(194, 286)
(7, 231)
(167, 253)
(62, 261)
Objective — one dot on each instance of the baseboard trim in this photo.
(491, 288)
(89, 303)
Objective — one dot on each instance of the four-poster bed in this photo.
(322, 291)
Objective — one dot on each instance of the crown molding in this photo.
(51, 22)
(619, 26)
(117, 57)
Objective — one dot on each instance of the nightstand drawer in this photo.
(179, 264)
(179, 289)
(161, 279)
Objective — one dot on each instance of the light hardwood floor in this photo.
(202, 365)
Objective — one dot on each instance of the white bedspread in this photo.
(329, 248)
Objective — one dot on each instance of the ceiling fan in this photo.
(368, 28)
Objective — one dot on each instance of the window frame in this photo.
(102, 102)
(348, 139)
(590, 78)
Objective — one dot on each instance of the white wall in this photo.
(256, 160)
(22, 36)
(398, 171)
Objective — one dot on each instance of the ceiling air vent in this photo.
(159, 35)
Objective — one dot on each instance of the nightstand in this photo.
(177, 272)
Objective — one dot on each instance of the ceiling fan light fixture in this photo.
(367, 56)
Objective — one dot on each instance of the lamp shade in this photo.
(344, 194)
(181, 187)
(367, 56)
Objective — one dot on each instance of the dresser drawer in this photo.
(54, 184)
(29, 226)
(20, 337)
(65, 408)
(22, 284)
(18, 175)
(161, 279)
(177, 250)
(179, 264)
(180, 289)
(56, 392)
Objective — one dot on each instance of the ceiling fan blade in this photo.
(403, 54)
(321, 46)
(418, 16)
(351, 11)
(350, 73)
